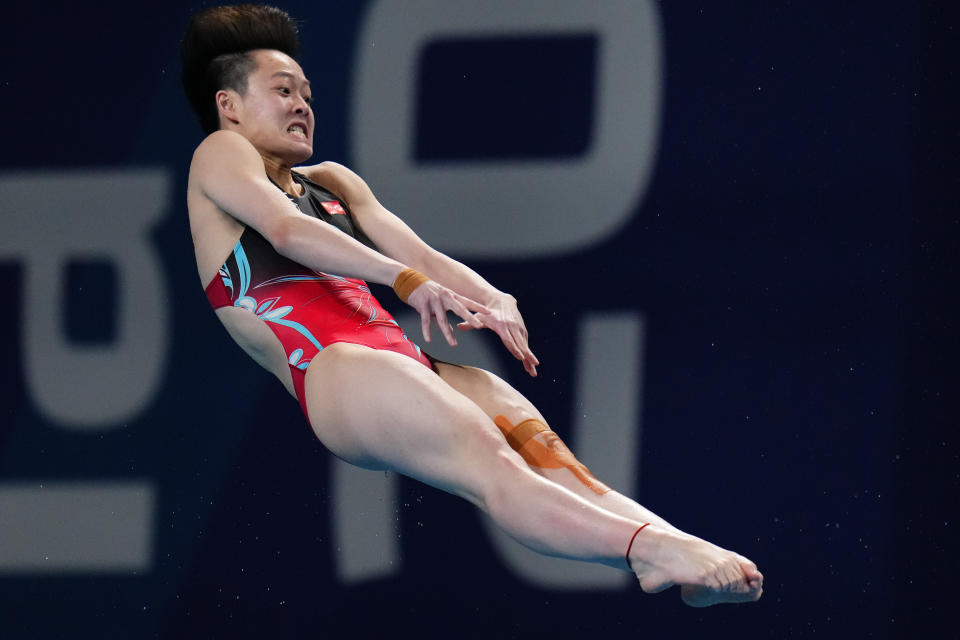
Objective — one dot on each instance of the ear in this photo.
(228, 105)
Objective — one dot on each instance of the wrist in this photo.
(499, 297)
(406, 281)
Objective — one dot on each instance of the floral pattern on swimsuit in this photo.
(307, 310)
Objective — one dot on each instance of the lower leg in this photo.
(550, 519)
(624, 506)
(548, 456)
(662, 555)
(665, 556)
(496, 397)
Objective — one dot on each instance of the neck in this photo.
(279, 172)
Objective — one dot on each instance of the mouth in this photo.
(298, 130)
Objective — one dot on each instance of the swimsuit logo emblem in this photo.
(334, 208)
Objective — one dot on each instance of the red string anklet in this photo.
(630, 546)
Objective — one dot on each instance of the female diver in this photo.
(284, 254)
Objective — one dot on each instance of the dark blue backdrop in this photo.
(791, 259)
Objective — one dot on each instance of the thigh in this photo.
(382, 410)
(496, 397)
(489, 392)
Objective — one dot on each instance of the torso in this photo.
(215, 233)
(260, 280)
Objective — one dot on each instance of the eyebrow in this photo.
(287, 74)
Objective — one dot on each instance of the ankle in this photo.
(633, 539)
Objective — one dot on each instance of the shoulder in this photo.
(224, 139)
(224, 147)
(334, 176)
(225, 155)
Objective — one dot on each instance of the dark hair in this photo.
(215, 52)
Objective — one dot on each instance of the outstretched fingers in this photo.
(432, 301)
(505, 320)
(467, 310)
(512, 342)
(530, 361)
(514, 338)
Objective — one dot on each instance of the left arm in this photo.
(398, 241)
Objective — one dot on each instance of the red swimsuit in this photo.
(307, 310)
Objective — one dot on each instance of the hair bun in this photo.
(225, 30)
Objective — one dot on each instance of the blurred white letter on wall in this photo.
(48, 218)
(449, 204)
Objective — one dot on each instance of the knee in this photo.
(504, 472)
(503, 399)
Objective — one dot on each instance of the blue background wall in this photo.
(789, 258)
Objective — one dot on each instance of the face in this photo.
(274, 114)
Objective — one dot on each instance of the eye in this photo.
(284, 90)
(308, 99)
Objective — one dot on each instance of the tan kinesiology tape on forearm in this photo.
(408, 280)
(552, 455)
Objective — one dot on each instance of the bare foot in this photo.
(707, 574)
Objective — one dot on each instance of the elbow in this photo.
(280, 234)
(427, 259)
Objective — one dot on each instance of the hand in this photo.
(433, 300)
(505, 320)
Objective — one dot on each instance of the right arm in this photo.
(228, 171)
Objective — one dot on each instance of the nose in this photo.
(302, 106)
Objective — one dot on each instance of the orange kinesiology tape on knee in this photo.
(550, 454)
